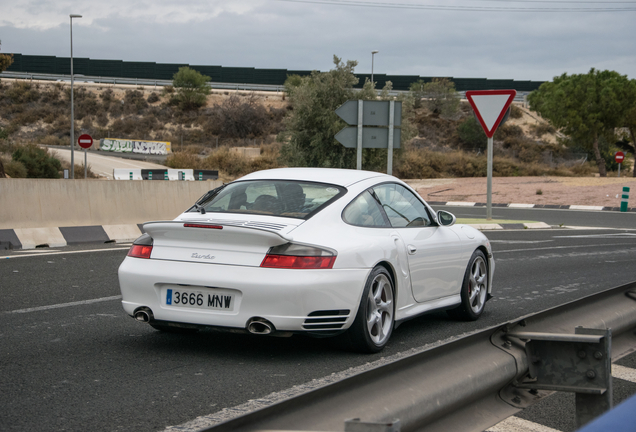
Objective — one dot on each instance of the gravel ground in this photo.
(593, 191)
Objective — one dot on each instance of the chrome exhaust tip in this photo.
(143, 314)
(259, 326)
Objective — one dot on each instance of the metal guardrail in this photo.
(520, 97)
(469, 384)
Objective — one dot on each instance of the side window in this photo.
(364, 211)
(401, 206)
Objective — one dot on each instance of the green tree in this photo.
(310, 127)
(308, 139)
(630, 124)
(191, 87)
(37, 162)
(438, 95)
(586, 107)
(5, 61)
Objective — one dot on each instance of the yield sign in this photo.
(490, 106)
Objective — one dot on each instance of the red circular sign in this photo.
(85, 141)
(619, 157)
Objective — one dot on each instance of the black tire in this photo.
(375, 319)
(173, 329)
(474, 290)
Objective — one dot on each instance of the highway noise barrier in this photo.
(624, 199)
(476, 380)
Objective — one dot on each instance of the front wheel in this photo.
(373, 325)
(474, 289)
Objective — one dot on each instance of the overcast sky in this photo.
(459, 38)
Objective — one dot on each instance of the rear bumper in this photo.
(284, 297)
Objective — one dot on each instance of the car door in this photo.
(434, 252)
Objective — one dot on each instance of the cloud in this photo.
(274, 34)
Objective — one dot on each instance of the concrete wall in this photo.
(40, 203)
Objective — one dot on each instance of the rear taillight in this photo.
(298, 262)
(296, 256)
(140, 251)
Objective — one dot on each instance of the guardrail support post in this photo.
(578, 363)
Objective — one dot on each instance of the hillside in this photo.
(39, 113)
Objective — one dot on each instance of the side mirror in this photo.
(446, 218)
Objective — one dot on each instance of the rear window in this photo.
(295, 199)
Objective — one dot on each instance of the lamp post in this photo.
(72, 108)
(374, 52)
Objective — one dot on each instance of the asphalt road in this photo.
(606, 219)
(71, 359)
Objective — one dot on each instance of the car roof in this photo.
(340, 177)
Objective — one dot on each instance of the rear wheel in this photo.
(373, 325)
(474, 289)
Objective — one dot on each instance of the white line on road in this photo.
(553, 247)
(63, 305)
(64, 253)
(516, 424)
(624, 373)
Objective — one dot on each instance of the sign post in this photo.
(619, 157)
(384, 117)
(85, 141)
(490, 107)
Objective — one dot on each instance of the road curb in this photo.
(526, 206)
(32, 238)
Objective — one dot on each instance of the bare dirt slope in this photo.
(592, 191)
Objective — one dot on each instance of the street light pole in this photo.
(374, 52)
(72, 105)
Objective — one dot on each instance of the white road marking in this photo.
(36, 251)
(520, 241)
(553, 247)
(64, 253)
(624, 373)
(63, 305)
(615, 235)
(516, 424)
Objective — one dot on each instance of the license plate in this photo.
(199, 299)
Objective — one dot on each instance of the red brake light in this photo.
(140, 251)
(298, 262)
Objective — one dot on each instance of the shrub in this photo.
(53, 140)
(541, 129)
(153, 97)
(471, 134)
(38, 162)
(134, 102)
(15, 169)
(22, 92)
(515, 112)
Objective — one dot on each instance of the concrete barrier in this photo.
(28, 206)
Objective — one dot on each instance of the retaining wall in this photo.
(41, 203)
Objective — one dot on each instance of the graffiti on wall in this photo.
(131, 146)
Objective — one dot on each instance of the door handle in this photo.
(412, 249)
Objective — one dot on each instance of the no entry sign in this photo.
(490, 106)
(619, 157)
(85, 141)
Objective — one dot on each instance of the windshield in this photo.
(287, 198)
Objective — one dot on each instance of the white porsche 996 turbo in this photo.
(307, 250)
